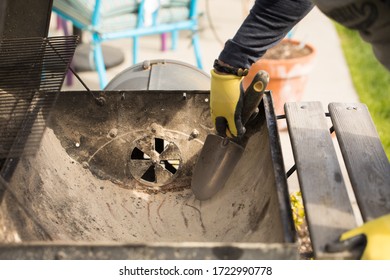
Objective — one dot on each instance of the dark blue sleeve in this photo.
(268, 22)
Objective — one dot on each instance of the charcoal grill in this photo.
(94, 180)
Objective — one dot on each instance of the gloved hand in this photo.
(377, 237)
(226, 102)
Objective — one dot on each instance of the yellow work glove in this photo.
(226, 102)
(377, 235)
(370, 241)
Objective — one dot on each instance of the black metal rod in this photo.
(291, 171)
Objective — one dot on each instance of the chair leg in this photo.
(135, 49)
(99, 63)
(196, 46)
(164, 42)
(58, 22)
(175, 36)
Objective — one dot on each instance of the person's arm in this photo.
(370, 18)
(268, 22)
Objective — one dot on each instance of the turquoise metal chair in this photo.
(114, 19)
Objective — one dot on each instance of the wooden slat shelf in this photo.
(328, 208)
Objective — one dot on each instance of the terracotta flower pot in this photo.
(288, 76)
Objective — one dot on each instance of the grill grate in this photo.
(32, 71)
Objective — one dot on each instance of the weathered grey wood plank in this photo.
(365, 159)
(328, 209)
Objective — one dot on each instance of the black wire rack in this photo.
(32, 71)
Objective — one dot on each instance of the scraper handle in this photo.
(254, 94)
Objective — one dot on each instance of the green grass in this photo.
(371, 81)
